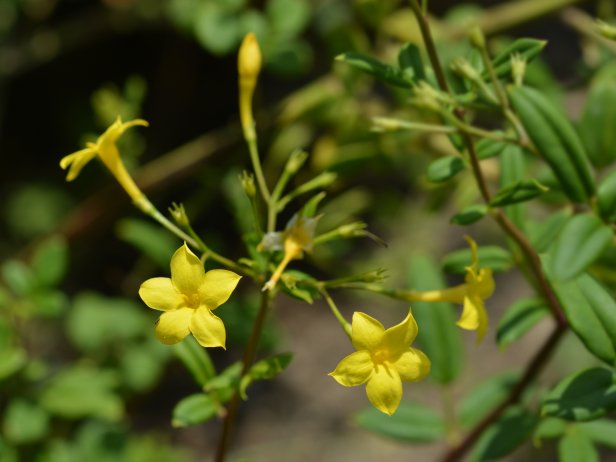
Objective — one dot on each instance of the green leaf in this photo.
(411, 423)
(150, 239)
(409, 60)
(469, 215)
(527, 48)
(520, 191)
(216, 30)
(83, 391)
(438, 335)
(583, 396)
(519, 319)
(490, 256)
(24, 422)
(606, 197)
(549, 429)
(445, 168)
(11, 361)
(196, 359)
(142, 365)
(193, 410)
(487, 148)
(542, 234)
(50, 261)
(591, 313)
(601, 431)
(512, 171)
(576, 446)
(385, 72)
(289, 57)
(503, 437)
(484, 397)
(288, 19)
(18, 276)
(581, 241)
(266, 369)
(222, 387)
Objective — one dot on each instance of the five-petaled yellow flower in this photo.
(478, 287)
(105, 148)
(188, 299)
(383, 360)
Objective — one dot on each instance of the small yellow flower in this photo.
(249, 67)
(106, 149)
(188, 299)
(478, 287)
(383, 360)
(294, 240)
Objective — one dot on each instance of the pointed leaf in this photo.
(411, 65)
(445, 168)
(470, 214)
(266, 369)
(520, 318)
(376, 68)
(193, 410)
(576, 446)
(520, 191)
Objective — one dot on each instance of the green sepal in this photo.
(519, 318)
(469, 215)
(411, 423)
(445, 168)
(266, 369)
(490, 256)
(583, 396)
(382, 71)
(581, 241)
(193, 410)
(520, 191)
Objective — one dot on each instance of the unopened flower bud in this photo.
(296, 161)
(248, 183)
(178, 213)
(463, 68)
(249, 58)
(477, 38)
(518, 68)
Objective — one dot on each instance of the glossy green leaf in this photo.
(527, 48)
(484, 397)
(196, 359)
(576, 446)
(519, 318)
(606, 197)
(591, 313)
(385, 72)
(503, 437)
(520, 191)
(445, 168)
(193, 410)
(601, 431)
(409, 60)
(411, 423)
(50, 261)
(266, 369)
(469, 215)
(438, 335)
(24, 422)
(583, 396)
(490, 256)
(581, 241)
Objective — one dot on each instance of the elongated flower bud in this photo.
(249, 67)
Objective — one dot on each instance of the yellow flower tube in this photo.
(249, 66)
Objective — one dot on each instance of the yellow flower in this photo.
(106, 149)
(249, 67)
(478, 287)
(383, 360)
(188, 299)
(294, 240)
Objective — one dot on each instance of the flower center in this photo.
(380, 356)
(192, 300)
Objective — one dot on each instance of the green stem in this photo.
(150, 209)
(247, 361)
(256, 165)
(343, 322)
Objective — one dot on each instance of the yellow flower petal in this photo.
(484, 284)
(160, 294)
(172, 326)
(354, 370)
(186, 271)
(216, 287)
(397, 339)
(474, 317)
(366, 332)
(412, 365)
(384, 389)
(208, 328)
(77, 161)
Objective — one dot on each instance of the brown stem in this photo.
(248, 359)
(532, 370)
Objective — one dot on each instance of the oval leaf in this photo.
(520, 191)
(470, 214)
(376, 68)
(445, 168)
(193, 410)
(484, 397)
(576, 446)
(490, 256)
(583, 396)
(606, 197)
(519, 319)
(581, 242)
